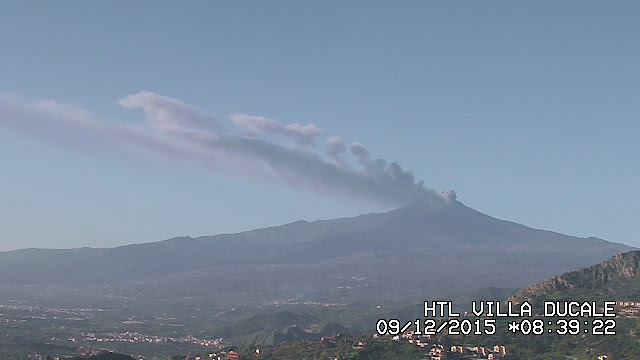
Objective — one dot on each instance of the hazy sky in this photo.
(124, 122)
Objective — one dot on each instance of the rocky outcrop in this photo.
(621, 266)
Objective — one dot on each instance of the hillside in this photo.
(405, 254)
(615, 279)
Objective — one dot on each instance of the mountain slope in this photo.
(409, 253)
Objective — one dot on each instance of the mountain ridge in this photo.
(454, 247)
(414, 206)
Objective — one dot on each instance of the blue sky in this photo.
(529, 110)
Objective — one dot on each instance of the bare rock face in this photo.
(625, 264)
(617, 272)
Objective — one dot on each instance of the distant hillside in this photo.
(341, 347)
(363, 322)
(354, 319)
(288, 334)
(268, 321)
(616, 278)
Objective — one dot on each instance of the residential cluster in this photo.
(497, 352)
(628, 308)
(223, 355)
(437, 351)
(134, 337)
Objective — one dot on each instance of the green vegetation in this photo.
(105, 355)
(341, 347)
(624, 345)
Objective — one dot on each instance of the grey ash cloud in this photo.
(177, 130)
(303, 135)
(450, 196)
(359, 150)
(335, 149)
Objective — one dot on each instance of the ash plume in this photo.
(176, 130)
